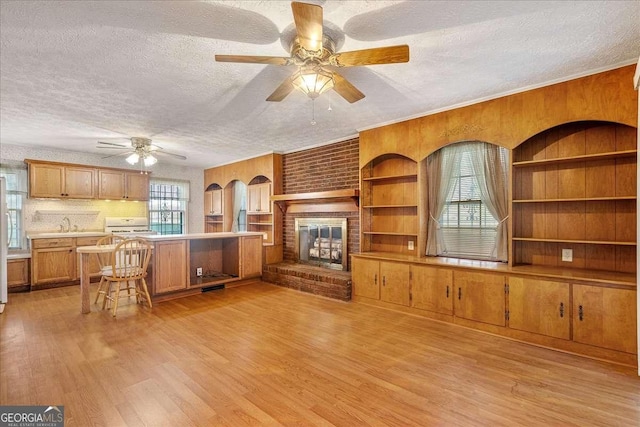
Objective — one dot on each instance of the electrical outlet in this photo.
(199, 271)
(265, 236)
(567, 255)
(410, 245)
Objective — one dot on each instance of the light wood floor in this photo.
(265, 355)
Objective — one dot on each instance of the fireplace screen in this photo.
(322, 241)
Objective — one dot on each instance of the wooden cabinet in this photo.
(395, 285)
(121, 185)
(480, 297)
(53, 261)
(574, 189)
(540, 306)
(364, 277)
(214, 202)
(94, 262)
(17, 272)
(389, 202)
(605, 317)
(53, 180)
(258, 198)
(170, 263)
(432, 289)
(251, 258)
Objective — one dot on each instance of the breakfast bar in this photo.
(185, 264)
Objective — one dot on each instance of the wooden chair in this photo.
(104, 260)
(129, 262)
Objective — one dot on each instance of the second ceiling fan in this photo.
(314, 54)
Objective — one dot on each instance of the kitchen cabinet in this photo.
(213, 202)
(53, 180)
(122, 185)
(17, 272)
(53, 261)
(540, 306)
(480, 297)
(170, 263)
(364, 276)
(258, 197)
(432, 289)
(251, 258)
(605, 317)
(94, 262)
(395, 283)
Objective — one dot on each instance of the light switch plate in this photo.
(567, 255)
(410, 245)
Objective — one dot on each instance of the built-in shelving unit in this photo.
(259, 208)
(214, 209)
(389, 200)
(574, 188)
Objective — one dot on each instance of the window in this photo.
(168, 202)
(468, 206)
(16, 179)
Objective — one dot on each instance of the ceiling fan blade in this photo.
(113, 148)
(118, 154)
(308, 19)
(254, 59)
(346, 89)
(111, 143)
(166, 153)
(282, 91)
(375, 56)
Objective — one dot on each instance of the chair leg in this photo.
(115, 299)
(146, 291)
(102, 283)
(107, 295)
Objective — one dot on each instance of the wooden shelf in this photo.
(319, 197)
(586, 242)
(389, 233)
(260, 213)
(585, 157)
(581, 199)
(391, 177)
(260, 223)
(389, 206)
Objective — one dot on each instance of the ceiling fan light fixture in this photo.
(313, 80)
(150, 160)
(133, 158)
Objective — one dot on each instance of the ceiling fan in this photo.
(314, 54)
(141, 149)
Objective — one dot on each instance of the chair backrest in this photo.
(130, 259)
(104, 258)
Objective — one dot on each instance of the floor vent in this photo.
(213, 288)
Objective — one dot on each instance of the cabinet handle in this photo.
(375, 279)
(561, 309)
(447, 291)
(580, 313)
(459, 293)
(384, 280)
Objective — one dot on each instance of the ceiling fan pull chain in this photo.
(313, 112)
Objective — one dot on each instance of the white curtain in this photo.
(239, 204)
(489, 164)
(441, 165)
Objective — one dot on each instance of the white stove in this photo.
(128, 226)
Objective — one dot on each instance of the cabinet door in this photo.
(259, 198)
(251, 256)
(17, 272)
(432, 289)
(395, 285)
(213, 202)
(265, 197)
(46, 180)
(137, 186)
(170, 266)
(111, 184)
(94, 262)
(79, 182)
(605, 317)
(480, 297)
(53, 265)
(364, 276)
(540, 306)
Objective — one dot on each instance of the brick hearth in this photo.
(306, 278)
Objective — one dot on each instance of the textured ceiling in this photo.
(73, 73)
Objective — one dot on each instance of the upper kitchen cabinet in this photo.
(58, 180)
(123, 185)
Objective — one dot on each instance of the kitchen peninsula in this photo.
(228, 259)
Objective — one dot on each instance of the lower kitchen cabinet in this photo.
(432, 289)
(364, 277)
(170, 264)
(251, 257)
(53, 261)
(540, 306)
(17, 272)
(480, 297)
(395, 283)
(605, 317)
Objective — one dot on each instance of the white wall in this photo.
(83, 210)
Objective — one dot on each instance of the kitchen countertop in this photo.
(197, 236)
(55, 235)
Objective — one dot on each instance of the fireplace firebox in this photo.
(322, 242)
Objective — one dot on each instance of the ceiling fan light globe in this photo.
(313, 81)
(133, 158)
(150, 160)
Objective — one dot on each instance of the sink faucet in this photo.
(66, 221)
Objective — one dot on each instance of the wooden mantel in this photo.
(320, 201)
